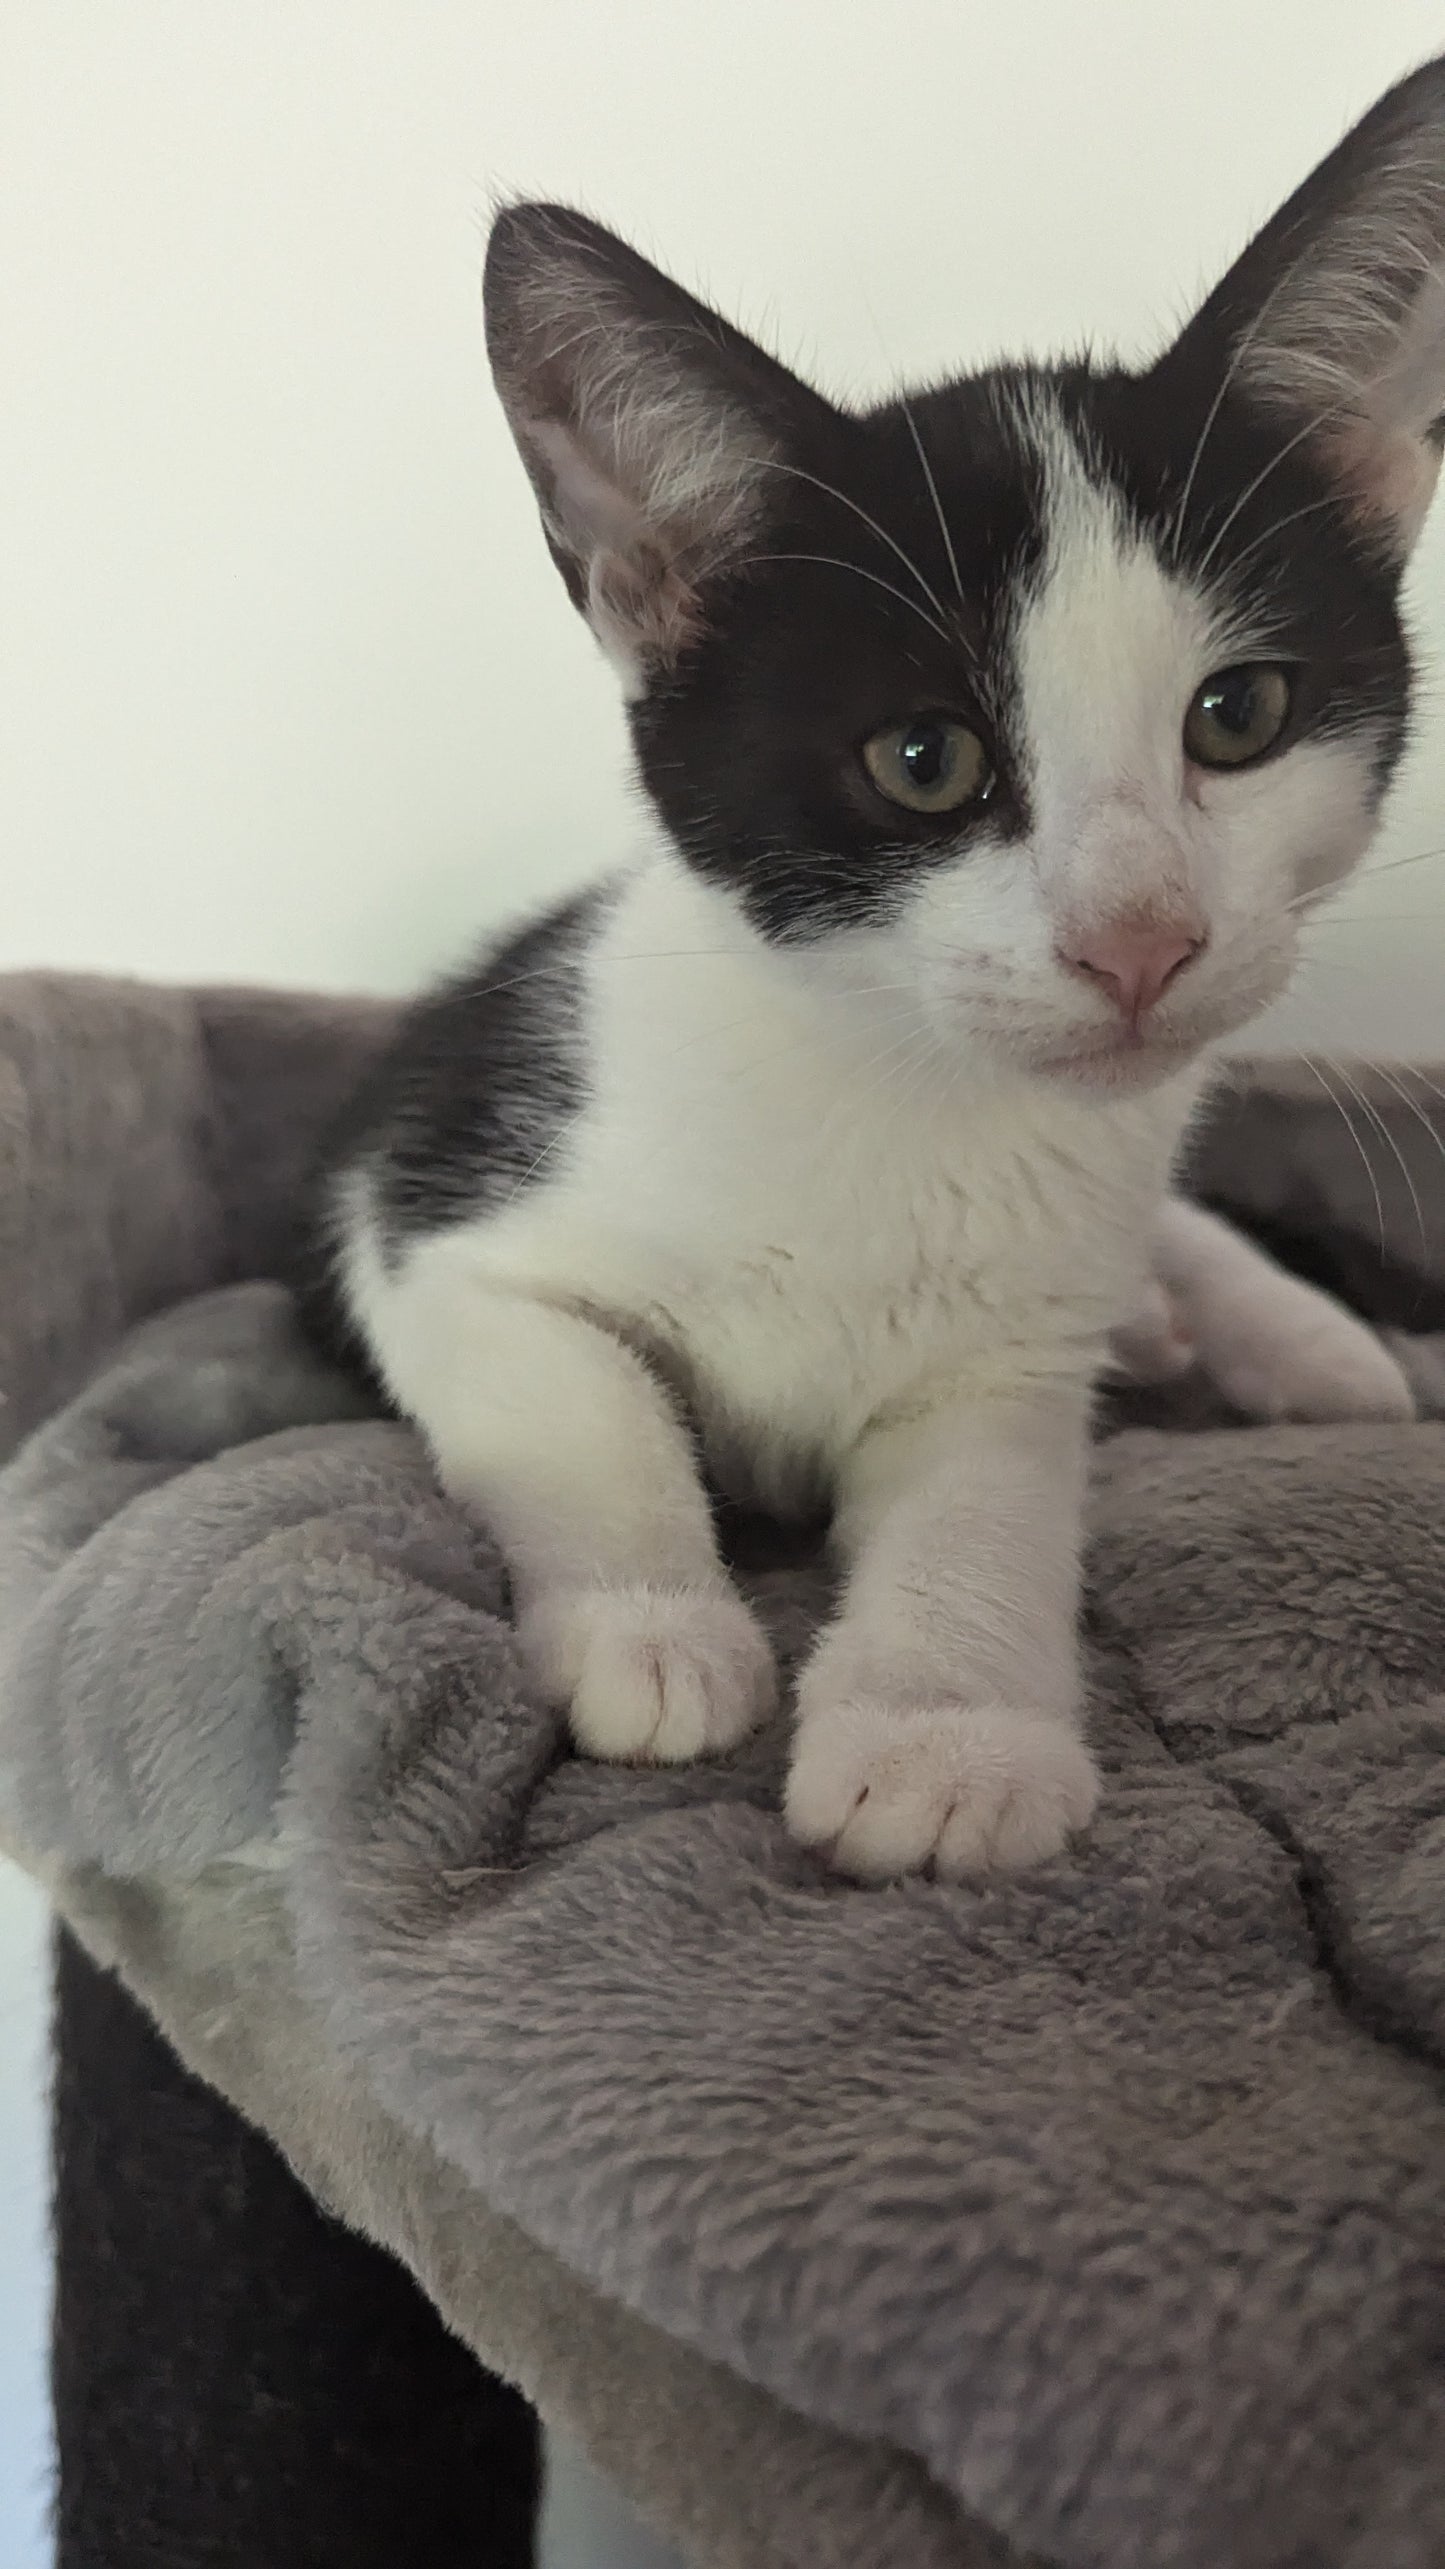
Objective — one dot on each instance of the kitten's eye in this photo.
(1237, 715)
(930, 765)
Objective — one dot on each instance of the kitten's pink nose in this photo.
(1132, 965)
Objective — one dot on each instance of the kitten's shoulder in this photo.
(482, 1075)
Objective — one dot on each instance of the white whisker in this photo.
(1310, 429)
(1241, 350)
(1368, 1107)
(1382, 1070)
(831, 490)
(1312, 1066)
(1292, 517)
(833, 562)
(906, 406)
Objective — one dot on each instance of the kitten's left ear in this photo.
(1335, 315)
(650, 427)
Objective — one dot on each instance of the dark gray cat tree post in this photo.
(239, 2382)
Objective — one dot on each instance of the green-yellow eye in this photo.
(932, 764)
(1237, 715)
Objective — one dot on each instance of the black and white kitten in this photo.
(997, 741)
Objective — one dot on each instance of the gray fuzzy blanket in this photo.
(1096, 2218)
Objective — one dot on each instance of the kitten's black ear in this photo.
(649, 426)
(1335, 314)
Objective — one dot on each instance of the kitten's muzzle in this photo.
(1131, 963)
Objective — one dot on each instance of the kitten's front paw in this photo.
(1327, 1366)
(655, 1675)
(891, 1789)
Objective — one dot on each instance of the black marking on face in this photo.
(753, 748)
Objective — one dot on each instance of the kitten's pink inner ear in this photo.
(635, 547)
(590, 512)
(639, 606)
(1391, 476)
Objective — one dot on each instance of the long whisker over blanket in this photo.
(1095, 2218)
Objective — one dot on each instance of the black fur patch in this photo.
(750, 749)
(480, 1082)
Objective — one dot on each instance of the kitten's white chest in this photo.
(800, 1233)
(801, 1258)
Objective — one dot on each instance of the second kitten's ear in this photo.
(651, 428)
(1335, 314)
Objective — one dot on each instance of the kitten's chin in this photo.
(1118, 1066)
(1120, 1061)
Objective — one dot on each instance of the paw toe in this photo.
(890, 1791)
(654, 1675)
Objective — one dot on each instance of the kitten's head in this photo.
(1049, 698)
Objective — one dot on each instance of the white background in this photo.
(290, 690)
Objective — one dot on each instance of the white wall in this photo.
(289, 687)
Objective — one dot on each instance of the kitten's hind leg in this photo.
(1276, 1347)
(1153, 1345)
(559, 1437)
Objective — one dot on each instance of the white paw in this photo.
(1329, 1367)
(891, 1789)
(656, 1675)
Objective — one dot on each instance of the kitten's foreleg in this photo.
(559, 1437)
(938, 1721)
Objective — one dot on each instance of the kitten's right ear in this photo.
(649, 426)
(1334, 317)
